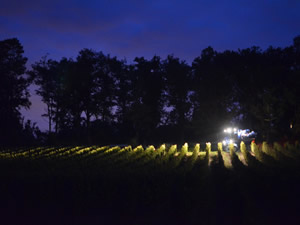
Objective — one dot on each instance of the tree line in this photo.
(97, 98)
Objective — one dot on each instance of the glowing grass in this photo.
(227, 160)
(164, 154)
(245, 154)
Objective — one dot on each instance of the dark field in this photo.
(166, 185)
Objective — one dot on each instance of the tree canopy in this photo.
(101, 99)
(14, 92)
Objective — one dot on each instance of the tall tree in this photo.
(123, 90)
(44, 74)
(178, 81)
(293, 87)
(92, 86)
(249, 81)
(83, 81)
(64, 103)
(212, 91)
(147, 97)
(14, 92)
(105, 91)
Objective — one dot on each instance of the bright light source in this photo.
(224, 142)
(225, 131)
(229, 130)
(291, 125)
(234, 129)
(230, 141)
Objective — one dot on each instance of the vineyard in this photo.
(167, 184)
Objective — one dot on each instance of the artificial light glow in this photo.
(229, 130)
(224, 142)
(225, 131)
(291, 125)
(230, 141)
(234, 129)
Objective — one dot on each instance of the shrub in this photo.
(267, 149)
(208, 150)
(220, 147)
(184, 150)
(220, 157)
(231, 149)
(244, 152)
(258, 154)
(196, 152)
(172, 150)
(161, 150)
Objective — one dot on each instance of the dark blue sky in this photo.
(144, 28)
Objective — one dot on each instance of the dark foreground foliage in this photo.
(114, 185)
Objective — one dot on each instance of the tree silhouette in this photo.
(147, 97)
(212, 91)
(98, 98)
(178, 81)
(44, 74)
(13, 90)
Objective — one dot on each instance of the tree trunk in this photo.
(50, 118)
(88, 120)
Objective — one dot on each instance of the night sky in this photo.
(127, 29)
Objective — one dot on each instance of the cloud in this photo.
(121, 22)
(129, 28)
